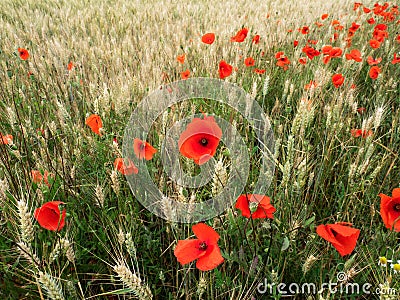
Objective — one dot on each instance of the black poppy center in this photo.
(204, 142)
(396, 207)
(203, 246)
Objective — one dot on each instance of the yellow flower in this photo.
(396, 267)
(383, 261)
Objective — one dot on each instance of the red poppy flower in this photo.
(371, 61)
(324, 16)
(396, 59)
(310, 52)
(380, 27)
(310, 85)
(303, 60)
(337, 52)
(205, 248)
(225, 69)
(314, 42)
(374, 44)
(362, 133)
(181, 58)
(259, 71)
(335, 37)
(94, 122)
(343, 238)
(380, 35)
(23, 53)
(256, 39)
(185, 74)
(331, 52)
(283, 61)
(366, 10)
(295, 43)
(70, 66)
(143, 149)
(354, 55)
(304, 30)
(356, 5)
(337, 80)
(361, 110)
(240, 35)
(124, 169)
(354, 27)
(374, 72)
(208, 38)
(249, 62)
(371, 20)
(48, 216)
(38, 178)
(6, 139)
(200, 139)
(264, 207)
(338, 27)
(326, 49)
(390, 210)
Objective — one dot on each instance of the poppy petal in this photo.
(124, 169)
(205, 233)
(48, 216)
(95, 123)
(23, 53)
(200, 139)
(396, 193)
(143, 149)
(36, 176)
(149, 151)
(385, 199)
(6, 139)
(240, 35)
(208, 38)
(242, 203)
(346, 237)
(192, 148)
(224, 69)
(264, 210)
(389, 211)
(211, 260)
(187, 251)
(343, 238)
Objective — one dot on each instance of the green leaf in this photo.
(309, 221)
